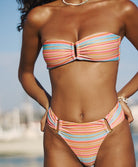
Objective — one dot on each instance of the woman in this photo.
(86, 125)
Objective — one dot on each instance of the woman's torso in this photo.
(82, 90)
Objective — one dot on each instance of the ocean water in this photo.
(38, 161)
(21, 161)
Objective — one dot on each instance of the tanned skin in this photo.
(82, 91)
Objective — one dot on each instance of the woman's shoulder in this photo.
(126, 5)
(40, 14)
(128, 10)
(123, 8)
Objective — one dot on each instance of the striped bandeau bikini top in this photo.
(102, 47)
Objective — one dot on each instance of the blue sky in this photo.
(11, 92)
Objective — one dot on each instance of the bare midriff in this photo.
(83, 91)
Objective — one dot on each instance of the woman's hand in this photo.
(127, 111)
(43, 122)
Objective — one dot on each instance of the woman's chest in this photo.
(74, 24)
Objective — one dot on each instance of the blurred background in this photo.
(21, 142)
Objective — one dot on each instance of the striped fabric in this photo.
(103, 46)
(86, 138)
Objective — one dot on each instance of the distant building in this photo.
(28, 111)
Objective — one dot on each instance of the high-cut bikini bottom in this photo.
(85, 139)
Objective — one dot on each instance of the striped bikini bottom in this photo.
(85, 139)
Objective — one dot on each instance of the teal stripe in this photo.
(114, 59)
(100, 38)
(116, 114)
(57, 47)
(87, 160)
(56, 44)
(50, 120)
(82, 137)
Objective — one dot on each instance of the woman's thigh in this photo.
(56, 152)
(117, 149)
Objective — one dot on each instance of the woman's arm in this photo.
(130, 19)
(31, 46)
(129, 89)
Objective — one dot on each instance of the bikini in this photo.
(84, 139)
(101, 46)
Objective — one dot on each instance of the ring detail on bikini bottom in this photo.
(108, 125)
(57, 129)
